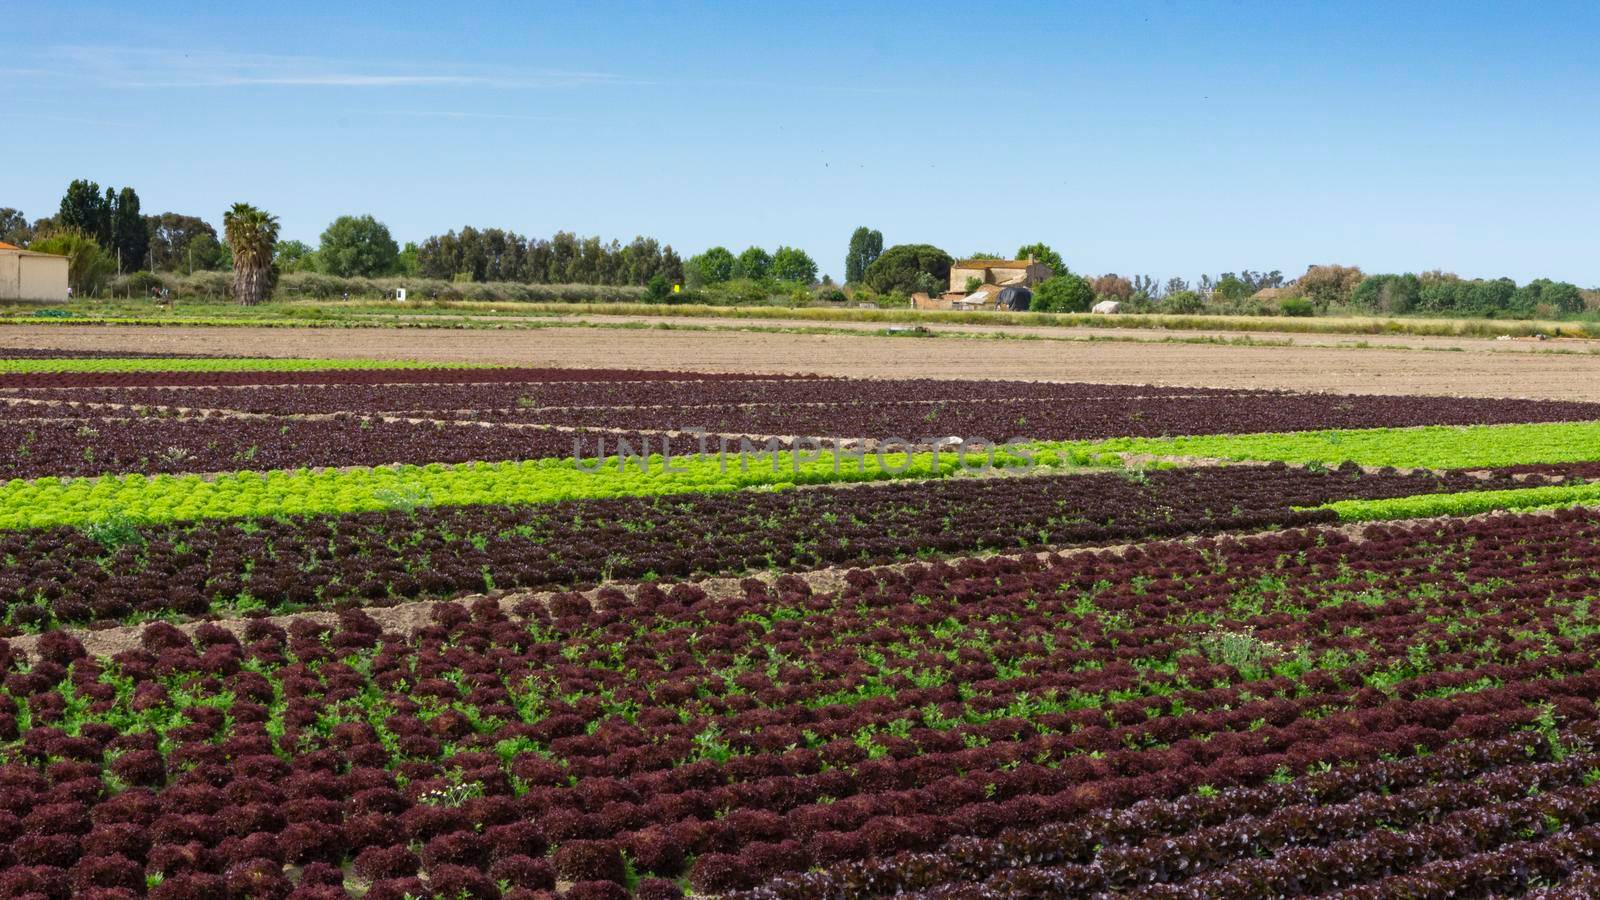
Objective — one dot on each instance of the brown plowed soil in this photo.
(1479, 368)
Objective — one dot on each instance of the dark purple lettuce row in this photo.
(1071, 419)
(603, 389)
(217, 443)
(63, 575)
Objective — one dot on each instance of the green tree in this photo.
(89, 266)
(87, 210)
(898, 268)
(408, 263)
(175, 239)
(1064, 292)
(866, 245)
(295, 256)
(1395, 294)
(252, 236)
(1041, 252)
(1566, 298)
(753, 263)
(14, 228)
(1232, 287)
(129, 238)
(714, 266)
(358, 246)
(793, 264)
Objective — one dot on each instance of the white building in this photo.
(25, 275)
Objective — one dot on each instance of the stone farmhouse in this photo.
(1001, 284)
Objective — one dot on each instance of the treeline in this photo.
(718, 265)
(210, 285)
(106, 235)
(492, 254)
(1446, 293)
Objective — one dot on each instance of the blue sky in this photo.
(1159, 138)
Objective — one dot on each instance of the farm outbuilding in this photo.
(25, 275)
(1024, 272)
(1002, 284)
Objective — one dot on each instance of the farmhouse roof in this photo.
(994, 263)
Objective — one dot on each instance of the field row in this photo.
(36, 353)
(102, 444)
(154, 445)
(52, 501)
(907, 410)
(108, 574)
(1287, 697)
(1444, 825)
(231, 372)
(1071, 419)
(161, 365)
(500, 389)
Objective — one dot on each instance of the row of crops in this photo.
(274, 628)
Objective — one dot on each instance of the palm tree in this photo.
(252, 235)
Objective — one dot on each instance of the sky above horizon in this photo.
(1156, 138)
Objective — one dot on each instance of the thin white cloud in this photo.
(170, 69)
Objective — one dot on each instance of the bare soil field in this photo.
(1479, 368)
(1151, 335)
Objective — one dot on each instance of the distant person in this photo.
(69, 292)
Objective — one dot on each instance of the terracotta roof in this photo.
(6, 246)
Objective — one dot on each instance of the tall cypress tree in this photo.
(866, 245)
(129, 236)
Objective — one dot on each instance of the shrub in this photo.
(137, 284)
(1182, 303)
(1063, 293)
(1296, 306)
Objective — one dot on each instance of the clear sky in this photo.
(1159, 138)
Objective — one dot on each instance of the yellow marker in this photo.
(677, 289)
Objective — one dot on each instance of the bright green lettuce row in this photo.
(1430, 447)
(160, 498)
(1464, 504)
(255, 364)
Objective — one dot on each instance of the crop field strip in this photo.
(51, 501)
(65, 576)
(737, 742)
(336, 393)
(1123, 669)
(413, 373)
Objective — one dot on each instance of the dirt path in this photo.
(1481, 370)
(1133, 335)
